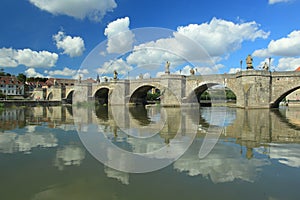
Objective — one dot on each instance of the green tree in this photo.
(21, 77)
(2, 95)
(230, 95)
(35, 79)
(3, 73)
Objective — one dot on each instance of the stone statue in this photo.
(192, 71)
(115, 75)
(98, 79)
(167, 67)
(266, 67)
(141, 76)
(249, 61)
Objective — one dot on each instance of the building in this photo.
(11, 86)
(66, 82)
(60, 82)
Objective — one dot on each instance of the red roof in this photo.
(298, 69)
(10, 80)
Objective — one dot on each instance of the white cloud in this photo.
(261, 53)
(184, 71)
(121, 66)
(209, 69)
(146, 76)
(7, 57)
(288, 64)
(11, 58)
(205, 42)
(262, 63)
(287, 154)
(199, 70)
(30, 72)
(65, 72)
(223, 164)
(12, 142)
(92, 9)
(234, 70)
(278, 1)
(123, 177)
(157, 52)
(120, 38)
(219, 37)
(158, 74)
(287, 46)
(143, 76)
(81, 73)
(194, 44)
(72, 46)
(69, 155)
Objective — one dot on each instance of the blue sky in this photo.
(54, 38)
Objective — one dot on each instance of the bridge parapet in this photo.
(286, 74)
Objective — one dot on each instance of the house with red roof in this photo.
(11, 86)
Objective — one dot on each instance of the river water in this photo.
(58, 153)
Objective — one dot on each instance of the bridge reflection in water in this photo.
(251, 143)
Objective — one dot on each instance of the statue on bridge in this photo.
(55, 82)
(167, 67)
(266, 67)
(141, 76)
(98, 79)
(249, 61)
(115, 75)
(192, 71)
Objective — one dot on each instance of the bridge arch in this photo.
(69, 96)
(139, 94)
(219, 94)
(101, 95)
(281, 94)
(50, 96)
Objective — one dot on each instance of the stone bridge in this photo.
(253, 89)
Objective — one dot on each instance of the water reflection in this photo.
(136, 146)
(223, 164)
(287, 154)
(252, 144)
(11, 142)
(69, 155)
(123, 177)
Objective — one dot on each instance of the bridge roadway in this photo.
(253, 89)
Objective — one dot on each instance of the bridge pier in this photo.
(55, 93)
(119, 95)
(82, 93)
(175, 89)
(253, 89)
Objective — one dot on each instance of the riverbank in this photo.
(30, 103)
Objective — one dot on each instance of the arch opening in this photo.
(145, 95)
(290, 97)
(101, 96)
(69, 99)
(214, 93)
(50, 96)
